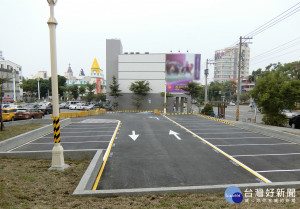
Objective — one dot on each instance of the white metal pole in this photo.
(57, 151)
(39, 95)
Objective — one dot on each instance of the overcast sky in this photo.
(156, 26)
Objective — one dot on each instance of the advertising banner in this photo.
(180, 70)
(98, 85)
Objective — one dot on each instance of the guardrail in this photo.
(82, 113)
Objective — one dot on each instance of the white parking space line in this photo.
(51, 150)
(90, 128)
(259, 155)
(244, 137)
(212, 129)
(234, 145)
(47, 137)
(225, 133)
(273, 171)
(74, 142)
(64, 132)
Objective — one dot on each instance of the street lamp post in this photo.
(39, 93)
(206, 75)
(57, 151)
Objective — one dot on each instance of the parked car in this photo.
(8, 114)
(89, 107)
(46, 109)
(294, 122)
(62, 105)
(288, 114)
(14, 106)
(31, 105)
(71, 103)
(23, 113)
(77, 106)
(231, 104)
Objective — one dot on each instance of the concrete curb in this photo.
(87, 181)
(68, 154)
(19, 140)
(269, 132)
(186, 189)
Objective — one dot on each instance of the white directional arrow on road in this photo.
(175, 134)
(133, 136)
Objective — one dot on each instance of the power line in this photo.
(274, 20)
(287, 13)
(277, 49)
(276, 56)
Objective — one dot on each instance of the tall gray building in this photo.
(113, 49)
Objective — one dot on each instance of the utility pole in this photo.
(206, 75)
(239, 79)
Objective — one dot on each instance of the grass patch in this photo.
(12, 131)
(37, 187)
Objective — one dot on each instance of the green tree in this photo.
(140, 89)
(74, 91)
(61, 80)
(115, 91)
(229, 88)
(214, 89)
(90, 92)
(100, 98)
(193, 89)
(274, 92)
(81, 90)
(208, 108)
(244, 97)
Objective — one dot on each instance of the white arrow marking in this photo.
(175, 134)
(154, 117)
(133, 136)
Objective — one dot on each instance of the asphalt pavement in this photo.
(201, 152)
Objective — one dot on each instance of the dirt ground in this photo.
(28, 184)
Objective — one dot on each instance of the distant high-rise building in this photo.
(41, 74)
(227, 63)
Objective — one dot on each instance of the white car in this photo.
(288, 114)
(231, 104)
(78, 106)
(88, 107)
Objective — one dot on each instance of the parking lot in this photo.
(189, 150)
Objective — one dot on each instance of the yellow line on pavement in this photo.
(224, 153)
(105, 159)
(222, 121)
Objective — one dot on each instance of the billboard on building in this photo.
(98, 85)
(180, 70)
